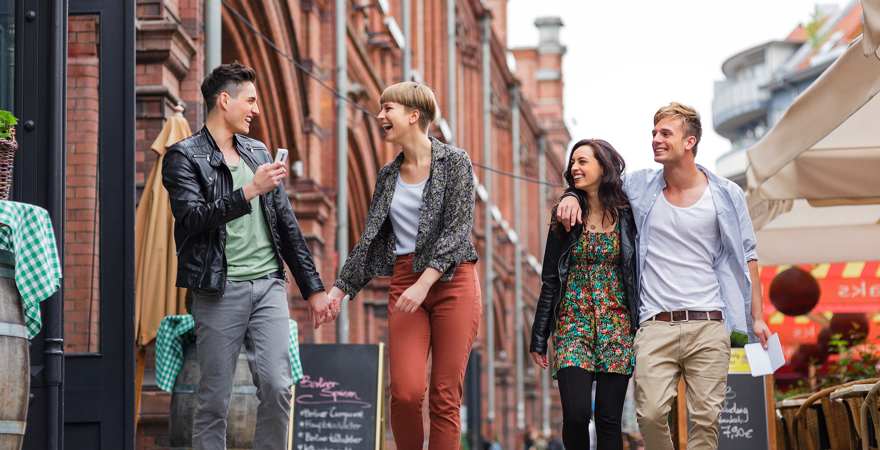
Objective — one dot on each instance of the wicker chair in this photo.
(781, 433)
(786, 410)
(822, 424)
(852, 399)
(871, 412)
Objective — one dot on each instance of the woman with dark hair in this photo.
(588, 299)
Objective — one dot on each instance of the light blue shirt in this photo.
(737, 238)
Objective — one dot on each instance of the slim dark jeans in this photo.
(575, 390)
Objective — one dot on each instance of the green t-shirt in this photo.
(249, 251)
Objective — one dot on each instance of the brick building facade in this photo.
(293, 54)
(82, 259)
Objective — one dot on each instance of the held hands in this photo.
(266, 178)
(320, 309)
(412, 297)
(540, 360)
(336, 297)
(569, 212)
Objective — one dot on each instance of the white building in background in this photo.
(741, 105)
(762, 81)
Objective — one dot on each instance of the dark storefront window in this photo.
(7, 55)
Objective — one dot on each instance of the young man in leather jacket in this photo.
(234, 229)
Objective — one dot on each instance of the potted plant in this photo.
(8, 146)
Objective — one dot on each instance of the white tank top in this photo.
(405, 207)
(683, 244)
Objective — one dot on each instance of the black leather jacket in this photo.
(202, 200)
(554, 276)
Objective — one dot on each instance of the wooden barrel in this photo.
(242, 418)
(15, 370)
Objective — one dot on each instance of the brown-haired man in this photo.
(234, 229)
(699, 280)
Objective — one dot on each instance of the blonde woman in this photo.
(418, 232)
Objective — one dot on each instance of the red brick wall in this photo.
(374, 63)
(81, 255)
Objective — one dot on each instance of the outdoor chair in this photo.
(781, 434)
(852, 398)
(786, 410)
(821, 424)
(870, 419)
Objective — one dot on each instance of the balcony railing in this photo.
(737, 102)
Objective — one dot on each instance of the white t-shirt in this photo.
(405, 208)
(681, 251)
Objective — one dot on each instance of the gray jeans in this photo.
(254, 313)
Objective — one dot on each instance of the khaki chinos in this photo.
(699, 352)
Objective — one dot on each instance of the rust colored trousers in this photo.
(445, 325)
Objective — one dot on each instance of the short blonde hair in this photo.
(687, 114)
(415, 96)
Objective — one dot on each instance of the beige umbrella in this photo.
(813, 178)
(155, 258)
(814, 235)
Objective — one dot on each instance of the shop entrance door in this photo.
(74, 95)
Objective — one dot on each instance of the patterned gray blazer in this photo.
(446, 220)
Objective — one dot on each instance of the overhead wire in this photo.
(320, 80)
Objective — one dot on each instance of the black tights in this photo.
(575, 389)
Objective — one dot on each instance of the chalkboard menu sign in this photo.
(338, 403)
(743, 422)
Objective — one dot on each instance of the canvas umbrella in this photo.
(155, 258)
(813, 185)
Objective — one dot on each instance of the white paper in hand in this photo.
(764, 362)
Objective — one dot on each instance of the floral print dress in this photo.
(593, 330)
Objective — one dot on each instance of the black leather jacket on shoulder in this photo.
(199, 185)
(554, 276)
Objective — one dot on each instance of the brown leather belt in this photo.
(682, 316)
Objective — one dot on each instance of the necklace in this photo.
(592, 223)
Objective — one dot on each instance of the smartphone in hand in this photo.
(281, 156)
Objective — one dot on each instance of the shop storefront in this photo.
(67, 73)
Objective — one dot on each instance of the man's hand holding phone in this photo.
(268, 176)
(281, 157)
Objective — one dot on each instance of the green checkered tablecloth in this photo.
(169, 350)
(27, 233)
